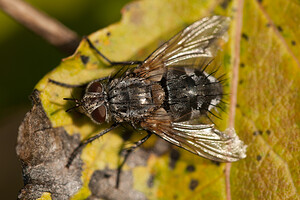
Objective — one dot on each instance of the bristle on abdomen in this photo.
(190, 93)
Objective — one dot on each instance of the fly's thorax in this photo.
(132, 99)
(94, 102)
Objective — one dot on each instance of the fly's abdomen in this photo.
(189, 93)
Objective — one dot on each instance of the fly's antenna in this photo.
(74, 100)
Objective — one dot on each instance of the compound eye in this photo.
(95, 87)
(99, 114)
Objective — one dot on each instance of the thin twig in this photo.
(50, 29)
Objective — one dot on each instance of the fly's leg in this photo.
(127, 153)
(84, 143)
(108, 60)
(66, 85)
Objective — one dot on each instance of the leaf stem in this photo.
(234, 82)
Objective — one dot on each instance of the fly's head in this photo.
(94, 102)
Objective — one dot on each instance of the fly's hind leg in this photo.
(66, 85)
(127, 153)
(135, 62)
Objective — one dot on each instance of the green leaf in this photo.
(267, 116)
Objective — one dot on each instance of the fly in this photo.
(165, 95)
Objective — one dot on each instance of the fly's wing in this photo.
(203, 140)
(194, 46)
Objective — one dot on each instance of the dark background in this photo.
(26, 58)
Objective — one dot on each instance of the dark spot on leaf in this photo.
(215, 162)
(258, 157)
(174, 156)
(242, 65)
(268, 25)
(150, 181)
(258, 132)
(245, 36)
(293, 42)
(193, 184)
(84, 59)
(259, 1)
(108, 34)
(268, 132)
(279, 28)
(237, 105)
(190, 168)
(241, 81)
(224, 4)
